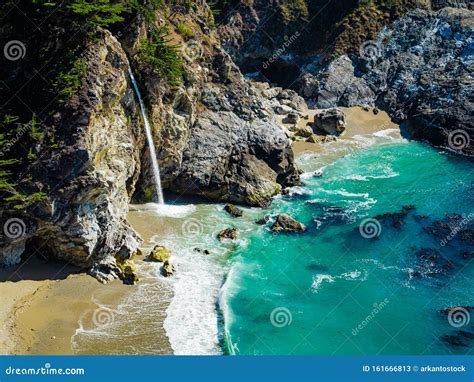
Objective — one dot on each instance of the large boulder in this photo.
(331, 121)
(285, 223)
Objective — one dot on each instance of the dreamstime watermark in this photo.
(103, 317)
(19, 133)
(14, 50)
(370, 228)
(370, 50)
(459, 317)
(281, 317)
(376, 310)
(192, 50)
(192, 228)
(458, 139)
(282, 50)
(14, 228)
(47, 369)
(456, 229)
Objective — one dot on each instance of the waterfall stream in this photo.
(151, 145)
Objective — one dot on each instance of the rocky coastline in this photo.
(71, 178)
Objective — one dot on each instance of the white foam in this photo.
(192, 320)
(166, 210)
(319, 279)
(343, 192)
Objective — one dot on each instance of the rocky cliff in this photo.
(73, 140)
(419, 70)
(413, 59)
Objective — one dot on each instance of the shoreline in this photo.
(66, 315)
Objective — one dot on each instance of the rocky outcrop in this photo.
(216, 135)
(330, 121)
(438, 4)
(419, 71)
(233, 210)
(285, 223)
(90, 177)
(228, 234)
(159, 254)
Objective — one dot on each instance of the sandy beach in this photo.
(359, 121)
(49, 308)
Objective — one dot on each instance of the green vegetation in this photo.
(68, 81)
(365, 22)
(101, 12)
(12, 131)
(293, 9)
(185, 31)
(164, 58)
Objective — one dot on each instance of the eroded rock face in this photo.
(422, 76)
(83, 219)
(217, 135)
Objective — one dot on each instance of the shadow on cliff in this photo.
(37, 268)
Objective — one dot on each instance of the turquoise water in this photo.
(330, 290)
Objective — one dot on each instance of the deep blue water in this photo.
(335, 290)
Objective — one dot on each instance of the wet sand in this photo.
(44, 304)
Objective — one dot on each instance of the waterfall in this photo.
(151, 145)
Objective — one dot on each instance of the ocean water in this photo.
(335, 290)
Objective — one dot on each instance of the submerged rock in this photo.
(168, 269)
(228, 234)
(203, 251)
(233, 210)
(263, 221)
(285, 223)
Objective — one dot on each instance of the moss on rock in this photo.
(159, 254)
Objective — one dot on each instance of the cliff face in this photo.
(216, 132)
(87, 179)
(73, 142)
(419, 70)
(415, 64)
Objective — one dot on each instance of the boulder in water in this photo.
(287, 224)
(233, 210)
(168, 269)
(263, 220)
(228, 234)
(127, 272)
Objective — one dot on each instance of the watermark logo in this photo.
(459, 317)
(192, 228)
(455, 229)
(281, 317)
(192, 50)
(103, 317)
(282, 50)
(458, 139)
(375, 311)
(370, 50)
(14, 228)
(14, 50)
(370, 228)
